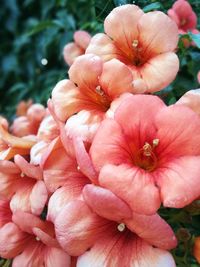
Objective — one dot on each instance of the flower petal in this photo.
(124, 30)
(38, 197)
(56, 257)
(82, 39)
(104, 203)
(159, 71)
(77, 227)
(136, 187)
(191, 99)
(71, 51)
(116, 79)
(179, 181)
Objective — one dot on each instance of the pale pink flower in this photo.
(29, 123)
(31, 242)
(148, 154)
(182, 13)
(21, 182)
(191, 99)
(137, 40)
(102, 234)
(72, 50)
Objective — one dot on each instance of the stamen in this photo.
(78, 168)
(37, 238)
(121, 227)
(135, 43)
(147, 149)
(22, 174)
(156, 142)
(99, 90)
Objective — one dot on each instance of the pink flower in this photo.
(22, 183)
(73, 50)
(31, 242)
(135, 39)
(191, 99)
(29, 123)
(112, 239)
(148, 154)
(198, 77)
(182, 13)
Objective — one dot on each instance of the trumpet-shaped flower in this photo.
(149, 155)
(112, 239)
(135, 39)
(72, 50)
(182, 13)
(31, 242)
(191, 99)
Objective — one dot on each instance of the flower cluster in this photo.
(82, 181)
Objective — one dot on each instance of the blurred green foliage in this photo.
(34, 30)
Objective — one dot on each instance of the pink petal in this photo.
(55, 257)
(38, 197)
(104, 203)
(37, 151)
(109, 145)
(28, 169)
(12, 240)
(116, 78)
(124, 30)
(133, 185)
(179, 181)
(33, 255)
(176, 139)
(9, 167)
(153, 40)
(159, 71)
(83, 159)
(111, 249)
(82, 39)
(45, 238)
(70, 191)
(85, 72)
(153, 229)
(104, 47)
(21, 199)
(5, 212)
(71, 51)
(77, 228)
(58, 166)
(191, 99)
(65, 98)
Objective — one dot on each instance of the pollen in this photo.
(99, 90)
(156, 142)
(78, 168)
(135, 43)
(37, 238)
(22, 174)
(121, 227)
(147, 149)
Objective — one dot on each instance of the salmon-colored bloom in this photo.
(21, 182)
(22, 107)
(135, 38)
(182, 13)
(29, 123)
(94, 90)
(149, 155)
(73, 50)
(191, 99)
(196, 249)
(113, 239)
(31, 242)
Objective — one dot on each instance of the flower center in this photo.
(146, 157)
(183, 22)
(121, 227)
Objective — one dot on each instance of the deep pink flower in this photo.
(31, 242)
(182, 13)
(135, 39)
(148, 155)
(73, 50)
(111, 239)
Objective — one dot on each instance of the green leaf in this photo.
(153, 6)
(42, 26)
(195, 38)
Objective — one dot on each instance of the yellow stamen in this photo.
(99, 90)
(135, 43)
(37, 238)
